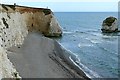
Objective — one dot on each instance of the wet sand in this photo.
(36, 58)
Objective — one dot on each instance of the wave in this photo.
(88, 72)
(84, 45)
(93, 38)
(94, 32)
(66, 32)
(96, 41)
(76, 61)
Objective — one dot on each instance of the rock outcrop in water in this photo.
(110, 25)
(15, 24)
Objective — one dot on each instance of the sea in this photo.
(97, 52)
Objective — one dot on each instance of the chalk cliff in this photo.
(38, 19)
(15, 23)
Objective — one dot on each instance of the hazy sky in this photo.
(70, 5)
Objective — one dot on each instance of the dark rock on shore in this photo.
(110, 25)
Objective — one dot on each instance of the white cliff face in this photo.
(7, 69)
(15, 23)
(13, 29)
(55, 29)
(110, 25)
(12, 32)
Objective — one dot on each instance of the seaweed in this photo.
(4, 22)
(15, 74)
(4, 7)
(109, 31)
(108, 21)
(47, 11)
(8, 16)
(12, 7)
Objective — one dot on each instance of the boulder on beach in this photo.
(110, 25)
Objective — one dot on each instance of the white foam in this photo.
(88, 72)
(105, 36)
(66, 32)
(84, 45)
(94, 40)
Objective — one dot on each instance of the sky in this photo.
(69, 5)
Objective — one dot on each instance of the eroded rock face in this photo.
(36, 19)
(109, 25)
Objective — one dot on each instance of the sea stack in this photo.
(110, 25)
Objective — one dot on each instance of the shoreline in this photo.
(41, 57)
(65, 56)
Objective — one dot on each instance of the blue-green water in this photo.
(98, 53)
